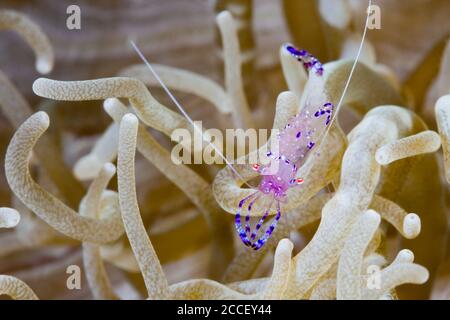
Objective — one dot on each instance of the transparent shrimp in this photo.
(294, 144)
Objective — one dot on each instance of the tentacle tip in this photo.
(109, 169)
(287, 97)
(9, 218)
(43, 118)
(411, 225)
(425, 275)
(87, 167)
(44, 66)
(286, 244)
(224, 17)
(381, 157)
(39, 86)
(443, 102)
(130, 118)
(373, 215)
(110, 103)
(436, 141)
(405, 255)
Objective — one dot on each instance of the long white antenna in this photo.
(178, 105)
(352, 70)
(324, 134)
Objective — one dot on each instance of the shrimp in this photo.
(295, 142)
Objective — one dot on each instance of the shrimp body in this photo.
(295, 143)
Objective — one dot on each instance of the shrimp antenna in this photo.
(344, 92)
(183, 112)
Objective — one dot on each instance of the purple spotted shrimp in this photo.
(295, 143)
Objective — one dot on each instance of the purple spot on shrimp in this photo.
(294, 51)
(310, 145)
(309, 61)
(317, 113)
(298, 135)
(248, 235)
(307, 65)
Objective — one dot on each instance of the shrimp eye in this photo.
(256, 167)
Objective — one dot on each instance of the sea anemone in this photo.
(368, 218)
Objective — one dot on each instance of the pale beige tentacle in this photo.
(104, 150)
(423, 142)
(194, 186)
(442, 111)
(233, 77)
(96, 275)
(148, 261)
(9, 217)
(351, 258)
(280, 275)
(45, 205)
(149, 110)
(395, 275)
(359, 178)
(33, 35)
(182, 80)
(16, 289)
(408, 224)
